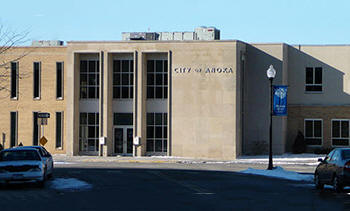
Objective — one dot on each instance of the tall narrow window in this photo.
(123, 79)
(157, 133)
(14, 80)
(35, 129)
(89, 132)
(89, 79)
(14, 130)
(59, 80)
(59, 131)
(36, 80)
(157, 79)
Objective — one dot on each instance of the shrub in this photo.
(299, 145)
(259, 148)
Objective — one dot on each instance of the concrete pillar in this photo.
(169, 102)
(107, 105)
(140, 101)
(72, 110)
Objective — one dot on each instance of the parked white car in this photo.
(47, 157)
(18, 164)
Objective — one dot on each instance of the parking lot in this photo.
(167, 186)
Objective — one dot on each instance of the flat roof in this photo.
(150, 41)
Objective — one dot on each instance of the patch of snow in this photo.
(61, 163)
(279, 172)
(69, 184)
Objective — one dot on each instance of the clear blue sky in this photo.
(289, 21)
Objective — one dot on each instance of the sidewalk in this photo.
(305, 163)
(287, 159)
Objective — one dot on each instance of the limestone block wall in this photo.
(25, 105)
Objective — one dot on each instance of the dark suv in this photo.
(334, 170)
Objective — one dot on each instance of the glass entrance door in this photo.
(123, 140)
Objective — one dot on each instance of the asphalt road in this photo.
(135, 187)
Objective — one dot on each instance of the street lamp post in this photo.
(271, 73)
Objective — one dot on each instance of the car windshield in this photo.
(346, 154)
(19, 155)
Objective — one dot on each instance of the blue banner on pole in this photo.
(280, 100)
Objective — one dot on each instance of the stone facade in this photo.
(215, 100)
(25, 104)
(298, 114)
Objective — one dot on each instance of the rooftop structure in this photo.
(200, 33)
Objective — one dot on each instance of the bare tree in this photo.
(9, 42)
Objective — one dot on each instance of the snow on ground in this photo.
(69, 184)
(306, 159)
(279, 172)
(285, 159)
(62, 163)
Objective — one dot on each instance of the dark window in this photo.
(13, 129)
(59, 130)
(313, 132)
(157, 79)
(340, 132)
(313, 79)
(59, 80)
(123, 119)
(123, 79)
(35, 129)
(157, 133)
(36, 81)
(345, 154)
(14, 79)
(89, 79)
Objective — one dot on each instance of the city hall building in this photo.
(185, 94)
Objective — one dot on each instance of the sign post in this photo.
(42, 120)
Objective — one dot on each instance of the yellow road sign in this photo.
(43, 140)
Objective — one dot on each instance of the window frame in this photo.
(16, 128)
(130, 85)
(39, 81)
(87, 86)
(164, 137)
(35, 122)
(154, 86)
(340, 120)
(62, 129)
(313, 84)
(96, 126)
(305, 137)
(17, 81)
(62, 81)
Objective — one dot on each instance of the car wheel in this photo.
(318, 183)
(338, 187)
(49, 176)
(41, 184)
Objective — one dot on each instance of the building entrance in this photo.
(123, 140)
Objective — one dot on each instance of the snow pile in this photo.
(69, 184)
(285, 159)
(280, 173)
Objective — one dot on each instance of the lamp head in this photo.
(271, 72)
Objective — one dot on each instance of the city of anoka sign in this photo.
(207, 70)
